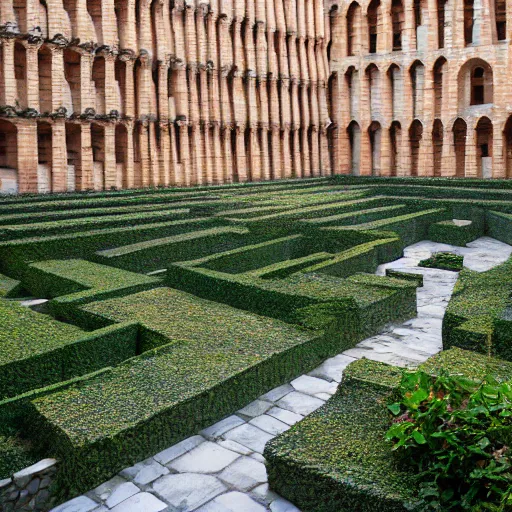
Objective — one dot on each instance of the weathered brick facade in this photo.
(101, 94)
(421, 87)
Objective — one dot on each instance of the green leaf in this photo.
(419, 437)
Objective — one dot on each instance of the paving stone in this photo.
(121, 493)
(250, 436)
(332, 369)
(232, 502)
(221, 427)
(166, 456)
(5, 482)
(206, 458)
(269, 424)
(288, 417)
(323, 396)
(104, 491)
(23, 477)
(282, 505)
(142, 502)
(258, 457)
(234, 446)
(277, 393)
(264, 494)
(244, 474)
(310, 385)
(300, 403)
(80, 504)
(255, 409)
(188, 491)
(145, 472)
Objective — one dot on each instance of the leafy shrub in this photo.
(444, 261)
(455, 433)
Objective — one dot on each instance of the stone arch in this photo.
(72, 93)
(507, 147)
(353, 26)
(475, 83)
(375, 137)
(397, 22)
(352, 82)
(43, 19)
(354, 137)
(417, 72)
(121, 137)
(439, 79)
(469, 21)
(500, 18)
(137, 153)
(460, 130)
(74, 154)
(120, 76)
(441, 21)
(44, 58)
(484, 147)
(137, 72)
(121, 12)
(8, 157)
(415, 137)
(395, 139)
(420, 9)
(95, 15)
(98, 155)
(373, 76)
(99, 78)
(20, 73)
(44, 157)
(394, 75)
(373, 25)
(437, 143)
(156, 13)
(70, 6)
(20, 12)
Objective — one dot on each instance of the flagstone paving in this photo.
(222, 470)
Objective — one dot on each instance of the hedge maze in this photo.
(171, 309)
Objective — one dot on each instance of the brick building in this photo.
(101, 94)
(421, 87)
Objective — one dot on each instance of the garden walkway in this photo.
(221, 469)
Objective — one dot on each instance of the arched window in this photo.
(354, 137)
(20, 11)
(500, 13)
(71, 9)
(438, 86)
(352, 81)
(415, 136)
(484, 147)
(507, 147)
(20, 73)
(460, 130)
(373, 77)
(94, 11)
(395, 139)
(8, 158)
(120, 75)
(43, 18)
(121, 155)
(437, 142)
(441, 20)
(98, 156)
(478, 86)
(74, 154)
(72, 73)
(395, 83)
(353, 20)
(44, 57)
(375, 133)
(99, 77)
(397, 20)
(44, 157)
(475, 83)
(469, 21)
(373, 25)
(417, 72)
(420, 23)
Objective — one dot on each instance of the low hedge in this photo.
(444, 261)
(161, 252)
(336, 459)
(8, 287)
(38, 351)
(499, 226)
(448, 232)
(15, 254)
(209, 370)
(478, 303)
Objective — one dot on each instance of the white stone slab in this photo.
(232, 502)
(221, 427)
(80, 504)
(288, 417)
(277, 393)
(255, 408)
(249, 436)
(142, 502)
(166, 456)
(121, 493)
(206, 458)
(269, 424)
(332, 369)
(300, 403)
(145, 472)
(310, 385)
(244, 474)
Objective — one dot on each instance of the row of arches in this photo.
(407, 146)
(386, 90)
(364, 29)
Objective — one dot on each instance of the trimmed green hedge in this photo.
(336, 459)
(499, 226)
(447, 232)
(38, 351)
(479, 302)
(208, 370)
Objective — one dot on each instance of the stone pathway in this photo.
(222, 468)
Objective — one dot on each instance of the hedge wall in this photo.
(336, 459)
(209, 370)
(38, 351)
(479, 302)
(499, 226)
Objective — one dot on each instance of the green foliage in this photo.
(15, 454)
(444, 261)
(448, 232)
(454, 433)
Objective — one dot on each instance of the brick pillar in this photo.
(59, 157)
(27, 157)
(499, 170)
(8, 72)
(129, 179)
(110, 166)
(448, 166)
(86, 179)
